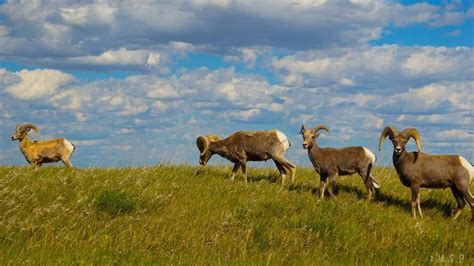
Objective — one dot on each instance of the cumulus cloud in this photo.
(433, 98)
(389, 66)
(120, 57)
(38, 83)
(93, 14)
(455, 134)
(437, 61)
(203, 101)
(95, 32)
(247, 56)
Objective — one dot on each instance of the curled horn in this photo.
(302, 129)
(388, 131)
(320, 127)
(412, 132)
(28, 126)
(213, 138)
(203, 142)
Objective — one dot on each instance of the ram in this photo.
(47, 151)
(331, 162)
(417, 170)
(244, 146)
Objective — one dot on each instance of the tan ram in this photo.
(47, 151)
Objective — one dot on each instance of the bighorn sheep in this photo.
(417, 169)
(331, 162)
(243, 146)
(39, 152)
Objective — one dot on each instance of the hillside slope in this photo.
(185, 214)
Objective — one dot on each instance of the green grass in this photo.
(196, 215)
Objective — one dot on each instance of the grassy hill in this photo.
(185, 214)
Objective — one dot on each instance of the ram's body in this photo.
(253, 146)
(47, 151)
(244, 146)
(331, 162)
(417, 170)
(344, 161)
(433, 171)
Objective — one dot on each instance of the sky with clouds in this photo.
(134, 82)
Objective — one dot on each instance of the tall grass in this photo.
(196, 215)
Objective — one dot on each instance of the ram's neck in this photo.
(399, 160)
(24, 143)
(220, 148)
(314, 149)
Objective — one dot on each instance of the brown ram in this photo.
(417, 169)
(39, 152)
(331, 162)
(244, 146)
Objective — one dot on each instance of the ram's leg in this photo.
(35, 165)
(282, 171)
(234, 170)
(243, 165)
(332, 182)
(418, 206)
(67, 163)
(322, 187)
(468, 198)
(291, 167)
(414, 200)
(460, 200)
(365, 174)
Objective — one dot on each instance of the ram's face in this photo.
(204, 157)
(19, 133)
(203, 146)
(309, 136)
(399, 142)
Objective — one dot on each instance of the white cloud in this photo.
(357, 99)
(454, 134)
(38, 83)
(54, 32)
(93, 14)
(90, 142)
(7, 78)
(371, 121)
(451, 95)
(70, 99)
(163, 90)
(3, 31)
(186, 105)
(347, 82)
(432, 61)
(119, 57)
(247, 56)
(228, 90)
(381, 65)
(182, 46)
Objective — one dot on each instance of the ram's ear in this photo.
(303, 129)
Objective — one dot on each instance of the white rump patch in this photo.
(468, 167)
(370, 155)
(68, 145)
(283, 139)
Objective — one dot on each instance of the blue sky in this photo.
(134, 83)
